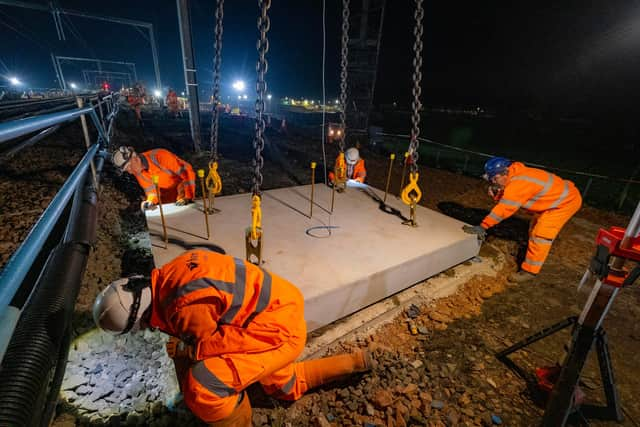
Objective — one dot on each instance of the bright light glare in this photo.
(238, 85)
(239, 96)
(182, 93)
(73, 86)
(157, 93)
(14, 81)
(244, 96)
(269, 96)
(337, 101)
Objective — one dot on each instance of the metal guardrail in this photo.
(612, 193)
(21, 262)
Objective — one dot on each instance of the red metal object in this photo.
(611, 239)
(547, 377)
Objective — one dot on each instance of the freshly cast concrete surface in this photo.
(368, 256)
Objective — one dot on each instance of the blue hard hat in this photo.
(495, 166)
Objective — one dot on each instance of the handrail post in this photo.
(87, 140)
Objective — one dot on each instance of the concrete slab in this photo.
(365, 257)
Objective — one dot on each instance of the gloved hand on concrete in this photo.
(478, 230)
(148, 206)
(178, 349)
(183, 202)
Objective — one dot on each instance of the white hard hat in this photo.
(352, 155)
(120, 306)
(121, 156)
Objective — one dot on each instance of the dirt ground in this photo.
(445, 376)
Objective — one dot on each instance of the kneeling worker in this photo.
(355, 166)
(176, 179)
(232, 324)
(552, 199)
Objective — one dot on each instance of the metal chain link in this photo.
(416, 105)
(343, 72)
(262, 67)
(215, 114)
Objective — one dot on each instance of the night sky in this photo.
(570, 56)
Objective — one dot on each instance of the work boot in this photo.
(521, 277)
(240, 417)
(322, 371)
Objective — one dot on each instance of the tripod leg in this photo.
(536, 337)
(608, 380)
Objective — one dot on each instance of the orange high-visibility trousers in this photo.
(211, 387)
(544, 229)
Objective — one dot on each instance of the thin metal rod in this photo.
(333, 195)
(313, 183)
(164, 224)
(404, 174)
(386, 188)
(204, 202)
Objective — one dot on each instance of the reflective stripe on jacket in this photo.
(533, 189)
(224, 305)
(171, 171)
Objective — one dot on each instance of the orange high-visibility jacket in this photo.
(533, 189)
(172, 98)
(223, 305)
(171, 170)
(133, 100)
(359, 171)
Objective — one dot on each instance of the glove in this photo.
(478, 230)
(495, 192)
(147, 205)
(178, 349)
(183, 202)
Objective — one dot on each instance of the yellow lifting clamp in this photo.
(340, 172)
(410, 196)
(204, 201)
(253, 234)
(214, 185)
(340, 177)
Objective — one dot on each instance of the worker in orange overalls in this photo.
(232, 324)
(552, 199)
(172, 102)
(355, 166)
(176, 179)
(135, 101)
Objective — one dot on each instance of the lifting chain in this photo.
(217, 62)
(411, 194)
(344, 62)
(416, 105)
(261, 88)
(213, 181)
(253, 235)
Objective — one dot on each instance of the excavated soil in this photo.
(445, 375)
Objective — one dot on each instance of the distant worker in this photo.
(231, 324)
(355, 166)
(176, 179)
(172, 102)
(135, 101)
(552, 199)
